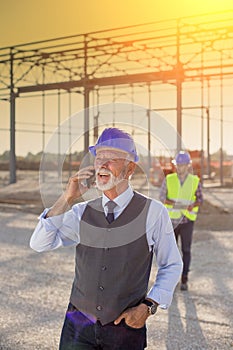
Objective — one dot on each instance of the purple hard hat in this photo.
(116, 139)
(182, 158)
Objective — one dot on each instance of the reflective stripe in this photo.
(184, 202)
(180, 211)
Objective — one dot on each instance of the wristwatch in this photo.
(152, 307)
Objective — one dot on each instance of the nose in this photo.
(105, 164)
(102, 163)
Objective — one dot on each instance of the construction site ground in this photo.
(35, 287)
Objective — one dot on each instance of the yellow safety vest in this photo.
(183, 195)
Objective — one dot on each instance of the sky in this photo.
(27, 21)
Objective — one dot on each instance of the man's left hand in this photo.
(135, 317)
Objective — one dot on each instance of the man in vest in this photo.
(182, 195)
(115, 237)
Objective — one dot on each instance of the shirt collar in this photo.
(122, 200)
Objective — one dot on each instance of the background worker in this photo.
(115, 237)
(181, 193)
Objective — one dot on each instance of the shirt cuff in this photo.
(162, 297)
(50, 223)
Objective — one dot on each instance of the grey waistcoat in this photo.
(113, 261)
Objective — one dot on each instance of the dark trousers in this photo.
(80, 333)
(185, 231)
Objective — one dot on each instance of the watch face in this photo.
(153, 309)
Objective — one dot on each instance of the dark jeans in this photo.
(185, 231)
(79, 333)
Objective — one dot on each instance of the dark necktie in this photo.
(110, 216)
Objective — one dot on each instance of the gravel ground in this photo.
(35, 288)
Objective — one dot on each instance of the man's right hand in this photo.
(77, 184)
(75, 187)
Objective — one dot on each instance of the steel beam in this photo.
(163, 76)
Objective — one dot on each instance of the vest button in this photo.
(99, 308)
(101, 287)
(103, 268)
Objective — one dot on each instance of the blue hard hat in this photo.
(117, 139)
(182, 158)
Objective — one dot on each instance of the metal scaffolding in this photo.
(193, 50)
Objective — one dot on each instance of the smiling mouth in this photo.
(103, 172)
(103, 175)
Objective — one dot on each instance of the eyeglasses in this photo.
(108, 160)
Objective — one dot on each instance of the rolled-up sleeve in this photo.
(57, 231)
(198, 194)
(163, 191)
(161, 237)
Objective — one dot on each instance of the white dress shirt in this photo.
(63, 230)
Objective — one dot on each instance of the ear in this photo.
(130, 169)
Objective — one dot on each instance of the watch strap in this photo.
(148, 302)
(152, 307)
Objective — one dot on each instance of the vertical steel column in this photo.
(86, 100)
(178, 90)
(149, 129)
(59, 132)
(114, 107)
(96, 117)
(70, 134)
(43, 119)
(179, 114)
(221, 123)
(86, 119)
(208, 141)
(43, 109)
(202, 119)
(132, 108)
(12, 122)
(208, 131)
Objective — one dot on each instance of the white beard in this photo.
(112, 182)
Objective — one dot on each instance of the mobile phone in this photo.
(91, 179)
